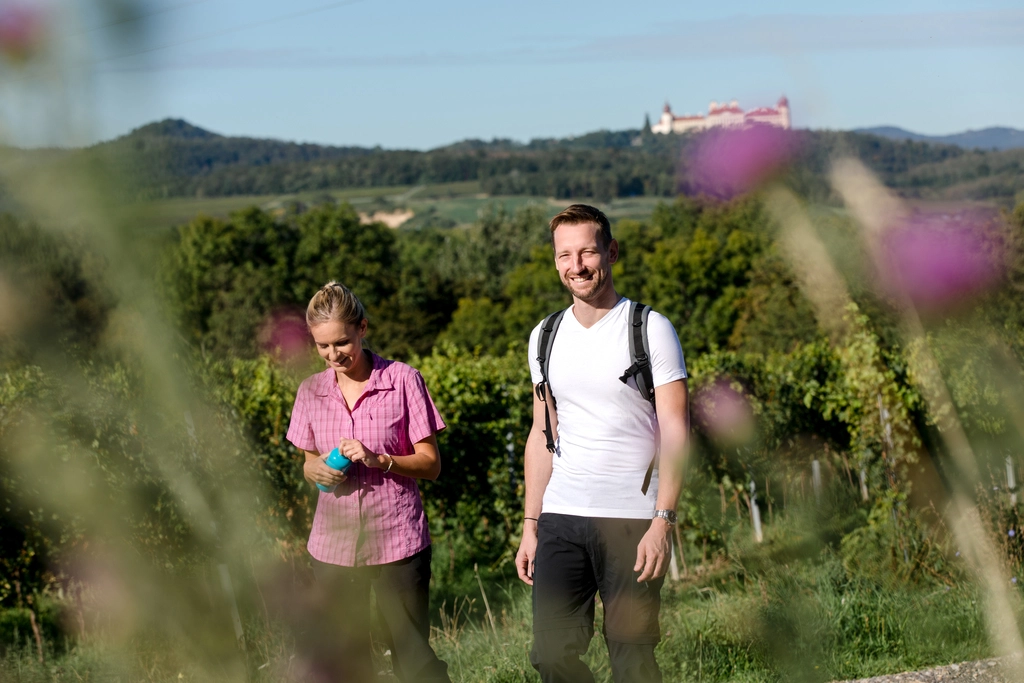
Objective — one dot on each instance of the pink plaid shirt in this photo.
(372, 517)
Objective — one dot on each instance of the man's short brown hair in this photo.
(583, 213)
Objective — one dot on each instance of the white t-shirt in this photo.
(607, 432)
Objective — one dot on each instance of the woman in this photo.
(371, 531)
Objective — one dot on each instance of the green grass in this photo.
(799, 623)
(811, 622)
(805, 622)
(781, 611)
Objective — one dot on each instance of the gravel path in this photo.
(984, 671)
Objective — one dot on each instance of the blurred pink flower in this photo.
(938, 260)
(724, 413)
(727, 162)
(21, 29)
(285, 336)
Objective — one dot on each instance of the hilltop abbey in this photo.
(724, 116)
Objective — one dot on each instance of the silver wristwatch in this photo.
(667, 515)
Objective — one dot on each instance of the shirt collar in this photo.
(379, 380)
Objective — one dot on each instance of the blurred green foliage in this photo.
(62, 278)
(459, 305)
(475, 506)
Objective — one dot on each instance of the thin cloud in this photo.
(304, 58)
(235, 58)
(706, 40)
(818, 33)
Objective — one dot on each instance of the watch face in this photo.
(668, 515)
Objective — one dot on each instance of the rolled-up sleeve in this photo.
(300, 428)
(424, 419)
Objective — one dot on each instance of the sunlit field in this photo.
(447, 205)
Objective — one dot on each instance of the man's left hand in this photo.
(652, 555)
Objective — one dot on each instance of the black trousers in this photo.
(578, 557)
(340, 644)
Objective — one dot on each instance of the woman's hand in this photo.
(355, 451)
(316, 471)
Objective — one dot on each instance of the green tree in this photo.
(500, 242)
(409, 322)
(699, 272)
(478, 325)
(223, 277)
(334, 245)
(509, 279)
(636, 241)
(533, 290)
(774, 315)
(475, 505)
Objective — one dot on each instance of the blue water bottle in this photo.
(336, 461)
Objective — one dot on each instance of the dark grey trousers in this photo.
(402, 594)
(577, 558)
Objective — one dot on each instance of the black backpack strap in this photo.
(548, 328)
(639, 351)
(640, 367)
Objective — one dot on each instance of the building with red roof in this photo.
(724, 116)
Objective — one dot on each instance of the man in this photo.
(590, 523)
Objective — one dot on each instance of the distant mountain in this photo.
(174, 158)
(166, 159)
(986, 138)
(173, 128)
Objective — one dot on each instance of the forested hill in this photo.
(173, 158)
(986, 138)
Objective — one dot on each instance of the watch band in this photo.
(667, 515)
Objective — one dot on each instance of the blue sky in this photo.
(422, 74)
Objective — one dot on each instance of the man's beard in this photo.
(586, 291)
